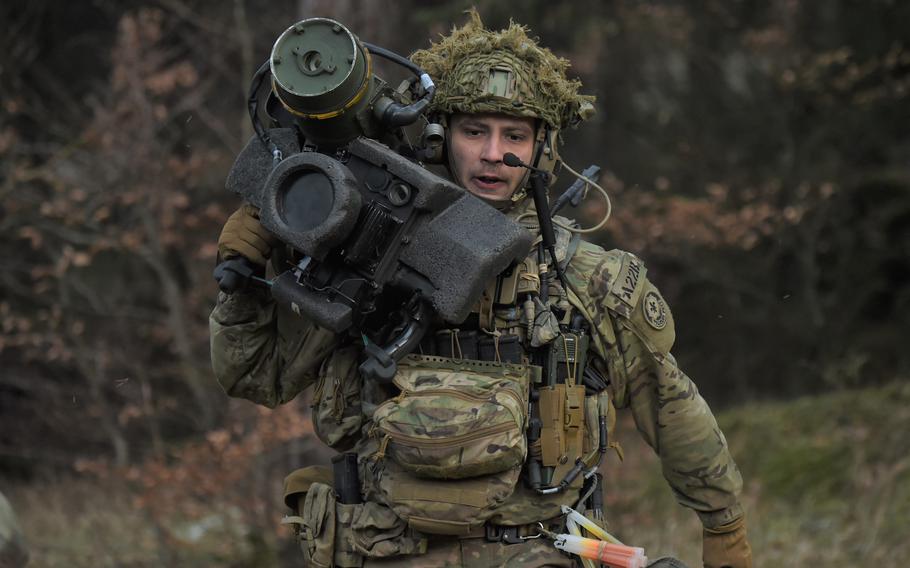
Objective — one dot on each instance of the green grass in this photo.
(826, 479)
(87, 523)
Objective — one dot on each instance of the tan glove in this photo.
(726, 546)
(243, 235)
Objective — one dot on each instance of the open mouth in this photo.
(488, 181)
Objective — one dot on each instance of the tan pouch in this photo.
(455, 419)
(316, 533)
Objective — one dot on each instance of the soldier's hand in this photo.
(727, 546)
(244, 235)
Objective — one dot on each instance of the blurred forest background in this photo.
(758, 155)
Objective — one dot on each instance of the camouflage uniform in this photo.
(633, 334)
(420, 500)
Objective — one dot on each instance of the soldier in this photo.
(444, 477)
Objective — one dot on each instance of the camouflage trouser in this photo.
(480, 553)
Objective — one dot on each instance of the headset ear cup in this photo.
(436, 154)
(549, 159)
(433, 142)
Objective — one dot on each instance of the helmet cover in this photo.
(478, 71)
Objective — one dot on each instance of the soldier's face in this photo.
(478, 143)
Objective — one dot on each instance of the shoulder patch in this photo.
(652, 321)
(655, 310)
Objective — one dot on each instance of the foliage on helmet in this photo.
(478, 70)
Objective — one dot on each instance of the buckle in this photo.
(496, 533)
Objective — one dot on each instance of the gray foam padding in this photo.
(461, 244)
(461, 250)
(435, 192)
(254, 164)
(334, 316)
(320, 240)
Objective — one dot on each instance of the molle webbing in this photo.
(473, 345)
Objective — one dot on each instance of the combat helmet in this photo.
(477, 70)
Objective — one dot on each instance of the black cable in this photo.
(392, 56)
(395, 114)
(252, 103)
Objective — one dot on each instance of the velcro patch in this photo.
(627, 286)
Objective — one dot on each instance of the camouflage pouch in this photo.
(455, 419)
(455, 507)
(336, 406)
(372, 530)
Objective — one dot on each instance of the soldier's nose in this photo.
(491, 151)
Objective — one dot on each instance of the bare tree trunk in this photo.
(247, 65)
(807, 255)
(178, 322)
(148, 411)
(91, 363)
(96, 380)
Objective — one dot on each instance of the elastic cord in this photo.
(606, 197)
(569, 228)
(392, 56)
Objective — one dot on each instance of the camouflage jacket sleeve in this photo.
(633, 335)
(261, 353)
